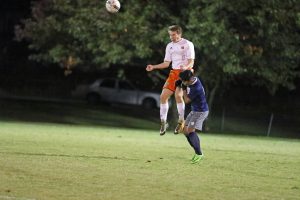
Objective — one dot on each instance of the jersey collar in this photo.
(194, 81)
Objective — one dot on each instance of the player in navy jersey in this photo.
(193, 93)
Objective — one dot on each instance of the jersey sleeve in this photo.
(191, 51)
(167, 54)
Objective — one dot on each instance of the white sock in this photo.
(180, 108)
(164, 108)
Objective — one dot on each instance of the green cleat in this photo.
(196, 158)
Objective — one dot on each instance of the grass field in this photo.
(65, 161)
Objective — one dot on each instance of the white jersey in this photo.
(179, 52)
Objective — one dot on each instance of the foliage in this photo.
(253, 41)
(84, 30)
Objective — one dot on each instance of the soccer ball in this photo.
(112, 6)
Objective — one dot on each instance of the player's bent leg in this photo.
(165, 95)
(179, 127)
(180, 108)
(194, 141)
(179, 95)
(164, 108)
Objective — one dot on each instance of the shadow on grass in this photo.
(68, 156)
(77, 114)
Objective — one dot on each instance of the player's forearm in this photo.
(189, 65)
(186, 98)
(161, 65)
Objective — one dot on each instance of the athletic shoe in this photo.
(163, 127)
(196, 158)
(180, 126)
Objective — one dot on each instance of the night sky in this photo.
(12, 12)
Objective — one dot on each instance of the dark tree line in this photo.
(253, 41)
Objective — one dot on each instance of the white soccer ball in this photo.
(112, 6)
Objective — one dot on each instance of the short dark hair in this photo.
(176, 28)
(186, 75)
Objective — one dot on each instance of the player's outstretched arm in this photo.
(162, 65)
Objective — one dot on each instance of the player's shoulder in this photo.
(191, 44)
(198, 83)
(199, 80)
(169, 45)
(187, 43)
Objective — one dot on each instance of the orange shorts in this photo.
(173, 77)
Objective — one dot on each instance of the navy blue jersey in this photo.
(197, 95)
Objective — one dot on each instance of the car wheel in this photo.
(93, 98)
(149, 103)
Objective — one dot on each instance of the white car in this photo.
(113, 90)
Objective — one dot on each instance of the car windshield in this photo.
(125, 86)
(108, 83)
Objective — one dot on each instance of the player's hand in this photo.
(178, 83)
(182, 67)
(184, 87)
(149, 68)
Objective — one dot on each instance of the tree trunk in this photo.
(211, 97)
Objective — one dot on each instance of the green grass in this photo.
(64, 161)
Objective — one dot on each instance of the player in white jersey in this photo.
(180, 52)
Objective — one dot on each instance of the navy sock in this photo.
(195, 142)
(188, 139)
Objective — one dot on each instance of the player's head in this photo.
(175, 33)
(186, 76)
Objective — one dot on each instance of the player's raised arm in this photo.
(162, 65)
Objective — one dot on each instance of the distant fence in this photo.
(254, 122)
(227, 120)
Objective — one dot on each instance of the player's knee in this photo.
(163, 98)
(186, 131)
(178, 92)
(165, 95)
(179, 97)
